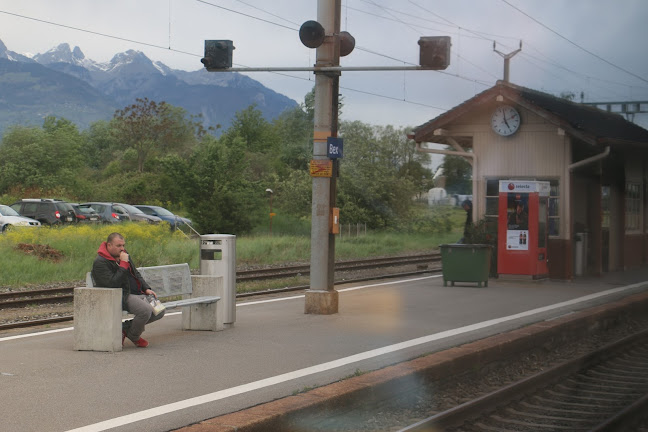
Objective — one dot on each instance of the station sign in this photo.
(334, 147)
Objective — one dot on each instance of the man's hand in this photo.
(123, 256)
(150, 292)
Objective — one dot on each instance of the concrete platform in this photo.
(273, 351)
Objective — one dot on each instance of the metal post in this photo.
(321, 298)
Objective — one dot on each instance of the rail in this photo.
(599, 391)
(18, 299)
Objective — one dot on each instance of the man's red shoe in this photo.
(141, 343)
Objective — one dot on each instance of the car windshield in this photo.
(7, 211)
(162, 211)
(131, 210)
(64, 206)
(86, 209)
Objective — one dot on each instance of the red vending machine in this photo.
(522, 228)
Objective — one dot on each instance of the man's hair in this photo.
(114, 236)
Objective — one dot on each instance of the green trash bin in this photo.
(465, 263)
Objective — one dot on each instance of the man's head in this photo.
(519, 207)
(467, 205)
(115, 244)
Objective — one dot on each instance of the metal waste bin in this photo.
(218, 258)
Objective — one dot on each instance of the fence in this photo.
(352, 230)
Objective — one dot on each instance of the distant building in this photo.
(437, 196)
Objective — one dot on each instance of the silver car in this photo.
(10, 217)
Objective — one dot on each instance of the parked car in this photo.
(10, 217)
(85, 213)
(109, 212)
(164, 214)
(137, 215)
(46, 211)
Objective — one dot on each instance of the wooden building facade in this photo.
(595, 161)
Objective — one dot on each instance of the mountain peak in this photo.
(61, 54)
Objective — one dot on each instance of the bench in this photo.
(98, 311)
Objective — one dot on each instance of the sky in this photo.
(593, 47)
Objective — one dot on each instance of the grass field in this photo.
(31, 256)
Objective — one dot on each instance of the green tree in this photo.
(458, 173)
(370, 189)
(47, 160)
(219, 194)
(149, 128)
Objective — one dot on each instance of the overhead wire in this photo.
(574, 43)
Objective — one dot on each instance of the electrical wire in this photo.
(574, 43)
(192, 54)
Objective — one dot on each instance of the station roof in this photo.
(588, 123)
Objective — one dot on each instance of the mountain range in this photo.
(62, 82)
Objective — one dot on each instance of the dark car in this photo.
(137, 215)
(109, 212)
(85, 213)
(165, 215)
(46, 211)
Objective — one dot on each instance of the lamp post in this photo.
(271, 194)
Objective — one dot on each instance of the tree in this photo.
(148, 127)
(219, 193)
(47, 159)
(370, 189)
(458, 174)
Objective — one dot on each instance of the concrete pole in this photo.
(321, 298)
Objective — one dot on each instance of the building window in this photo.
(492, 206)
(492, 201)
(633, 206)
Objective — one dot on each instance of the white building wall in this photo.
(539, 150)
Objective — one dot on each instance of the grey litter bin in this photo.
(218, 258)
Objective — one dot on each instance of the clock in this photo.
(505, 120)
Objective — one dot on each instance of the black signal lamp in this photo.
(434, 52)
(218, 54)
(347, 43)
(311, 34)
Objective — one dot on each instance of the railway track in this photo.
(606, 390)
(19, 299)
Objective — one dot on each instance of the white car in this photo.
(10, 217)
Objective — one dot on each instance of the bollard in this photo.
(218, 258)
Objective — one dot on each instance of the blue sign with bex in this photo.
(334, 147)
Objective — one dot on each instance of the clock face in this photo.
(505, 120)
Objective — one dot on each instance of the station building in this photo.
(595, 161)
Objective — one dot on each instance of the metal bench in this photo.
(98, 311)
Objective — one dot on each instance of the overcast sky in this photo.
(597, 47)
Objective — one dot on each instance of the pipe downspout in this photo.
(590, 160)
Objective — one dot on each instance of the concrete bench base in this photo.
(98, 313)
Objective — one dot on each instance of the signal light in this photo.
(311, 34)
(218, 54)
(435, 52)
(347, 43)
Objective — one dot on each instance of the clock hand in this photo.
(507, 125)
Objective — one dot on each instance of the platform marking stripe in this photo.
(46, 332)
(340, 290)
(278, 379)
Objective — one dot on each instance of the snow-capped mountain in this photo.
(127, 76)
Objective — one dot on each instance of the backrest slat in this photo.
(166, 281)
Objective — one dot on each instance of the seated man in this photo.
(114, 268)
